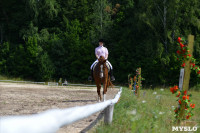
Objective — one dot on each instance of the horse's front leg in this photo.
(99, 92)
(104, 91)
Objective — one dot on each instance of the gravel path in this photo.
(22, 99)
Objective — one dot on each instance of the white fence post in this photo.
(108, 114)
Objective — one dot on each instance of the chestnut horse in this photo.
(100, 75)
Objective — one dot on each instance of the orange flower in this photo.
(192, 105)
(187, 97)
(172, 90)
(184, 97)
(179, 93)
(176, 88)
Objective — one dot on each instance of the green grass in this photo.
(154, 112)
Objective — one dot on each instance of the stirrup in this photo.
(90, 78)
(112, 78)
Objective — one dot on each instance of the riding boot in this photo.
(112, 78)
(90, 78)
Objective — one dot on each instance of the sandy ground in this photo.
(22, 99)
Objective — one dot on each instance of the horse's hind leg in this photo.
(99, 92)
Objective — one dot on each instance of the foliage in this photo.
(65, 33)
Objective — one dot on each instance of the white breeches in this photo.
(97, 61)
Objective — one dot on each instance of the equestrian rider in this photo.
(101, 51)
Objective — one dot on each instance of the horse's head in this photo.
(101, 60)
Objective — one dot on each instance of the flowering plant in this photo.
(183, 98)
(183, 55)
(138, 80)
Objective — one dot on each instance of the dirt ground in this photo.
(23, 99)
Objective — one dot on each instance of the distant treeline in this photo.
(51, 39)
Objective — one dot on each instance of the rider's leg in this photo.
(91, 71)
(111, 72)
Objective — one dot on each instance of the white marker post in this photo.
(181, 78)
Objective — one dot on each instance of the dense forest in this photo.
(45, 40)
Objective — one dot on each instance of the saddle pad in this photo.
(108, 66)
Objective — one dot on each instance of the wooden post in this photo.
(139, 82)
(186, 78)
(108, 114)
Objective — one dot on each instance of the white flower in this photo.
(133, 112)
(162, 89)
(155, 93)
(143, 101)
(160, 113)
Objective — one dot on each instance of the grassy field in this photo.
(151, 113)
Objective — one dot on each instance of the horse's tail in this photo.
(110, 83)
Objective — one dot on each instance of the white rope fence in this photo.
(51, 120)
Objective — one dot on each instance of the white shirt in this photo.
(101, 51)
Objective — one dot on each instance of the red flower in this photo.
(184, 97)
(178, 94)
(176, 110)
(185, 92)
(193, 65)
(188, 116)
(172, 90)
(198, 72)
(181, 45)
(179, 39)
(183, 50)
(176, 88)
(183, 65)
(185, 107)
(189, 55)
(179, 101)
(192, 105)
(187, 97)
(178, 52)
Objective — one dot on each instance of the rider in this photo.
(101, 51)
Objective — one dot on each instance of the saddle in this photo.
(107, 65)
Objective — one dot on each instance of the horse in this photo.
(101, 75)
